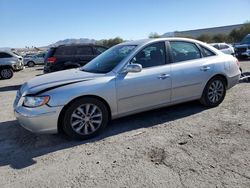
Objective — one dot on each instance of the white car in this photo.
(9, 62)
(37, 59)
(225, 48)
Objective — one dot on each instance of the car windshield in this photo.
(108, 60)
(246, 40)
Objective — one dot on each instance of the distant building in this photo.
(197, 32)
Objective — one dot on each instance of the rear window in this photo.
(50, 53)
(223, 46)
(216, 46)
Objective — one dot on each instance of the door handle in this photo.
(163, 76)
(205, 68)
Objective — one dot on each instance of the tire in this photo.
(214, 92)
(6, 73)
(31, 64)
(79, 124)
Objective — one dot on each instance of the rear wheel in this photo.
(31, 64)
(85, 118)
(214, 92)
(6, 73)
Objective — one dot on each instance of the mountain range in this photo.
(73, 41)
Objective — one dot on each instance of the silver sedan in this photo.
(128, 78)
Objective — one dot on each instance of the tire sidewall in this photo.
(31, 64)
(1, 74)
(67, 117)
(205, 100)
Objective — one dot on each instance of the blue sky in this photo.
(42, 22)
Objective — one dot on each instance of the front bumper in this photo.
(18, 66)
(246, 53)
(38, 120)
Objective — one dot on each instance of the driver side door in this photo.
(149, 88)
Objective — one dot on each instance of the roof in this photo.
(143, 41)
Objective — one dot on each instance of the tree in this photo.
(238, 34)
(220, 38)
(110, 42)
(153, 35)
(205, 38)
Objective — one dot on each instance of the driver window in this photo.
(152, 55)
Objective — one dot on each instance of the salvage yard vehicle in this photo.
(36, 59)
(225, 48)
(9, 62)
(128, 78)
(242, 50)
(70, 56)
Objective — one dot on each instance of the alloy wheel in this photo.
(215, 91)
(6, 73)
(86, 119)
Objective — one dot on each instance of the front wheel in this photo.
(214, 92)
(6, 73)
(85, 118)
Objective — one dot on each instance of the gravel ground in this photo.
(180, 146)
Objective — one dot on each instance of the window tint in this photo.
(4, 55)
(84, 50)
(223, 46)
(152, 55)
(65, 50)
(207, 52)
(183, 51)
(40, 55)
(216, 46)
(100, 49)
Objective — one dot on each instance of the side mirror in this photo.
(132, 68)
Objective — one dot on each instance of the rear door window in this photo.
(65, 51)
(84, 50)
(207, 52)
(184, 51)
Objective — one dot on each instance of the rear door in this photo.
(84, 54)
(39, 59)
(189, 71)
(65, 57)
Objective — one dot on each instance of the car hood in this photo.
(241, 45)
(50, 81)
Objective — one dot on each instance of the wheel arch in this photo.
(224, 77)
(60, 118)
(6, 66)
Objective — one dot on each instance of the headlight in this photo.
(35, 101)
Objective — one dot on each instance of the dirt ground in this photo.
(180, 146)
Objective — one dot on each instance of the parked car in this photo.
(126, 79)
(37, 59)
(225, 48)
(70, 56)
(242, 50)
(9, 62)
